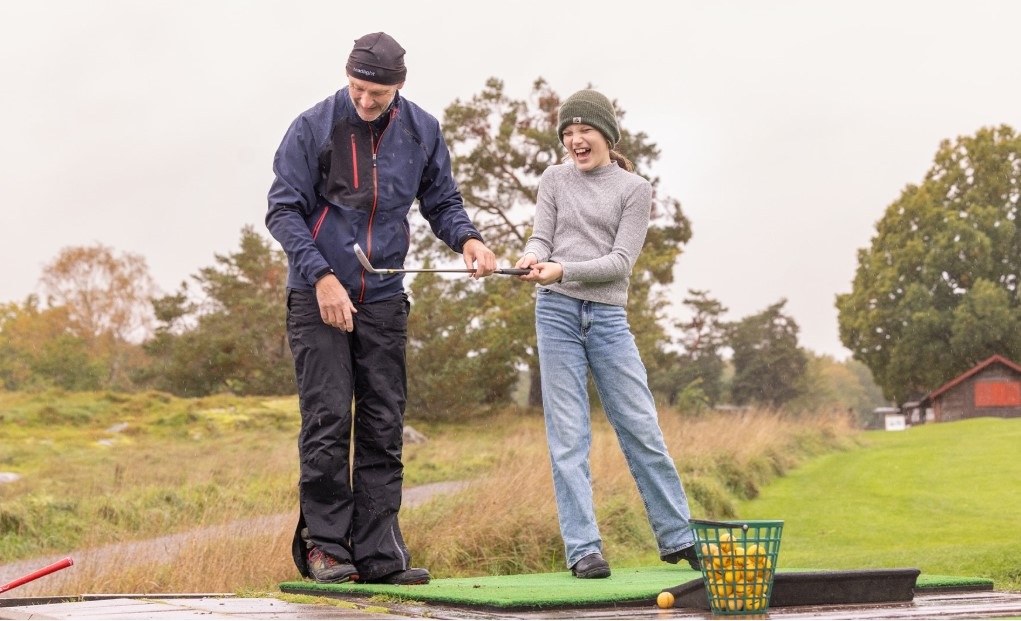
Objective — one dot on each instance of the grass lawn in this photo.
(944, 498)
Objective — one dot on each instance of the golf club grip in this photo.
(39, 573)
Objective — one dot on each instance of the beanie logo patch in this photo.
(576, 119)
(366, 72)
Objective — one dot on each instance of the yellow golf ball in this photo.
(665, 599)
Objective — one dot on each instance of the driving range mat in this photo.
(625, 586)
(639, 586)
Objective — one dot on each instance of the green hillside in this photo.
(945, 498)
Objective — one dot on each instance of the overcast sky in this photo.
(785, 128)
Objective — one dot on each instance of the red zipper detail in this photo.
(319, 222)
(354, 160)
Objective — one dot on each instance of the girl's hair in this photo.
(622, 160)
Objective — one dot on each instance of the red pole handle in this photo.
(39, 573)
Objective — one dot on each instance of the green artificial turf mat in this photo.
(953, 583)
(625, 585)
(636, 585)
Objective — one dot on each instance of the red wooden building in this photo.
(990, 388)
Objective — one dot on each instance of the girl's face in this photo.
(586, 146)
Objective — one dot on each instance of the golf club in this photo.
(364, 260)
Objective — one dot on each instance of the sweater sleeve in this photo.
(545, 222)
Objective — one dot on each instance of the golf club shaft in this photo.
(364, 260)
(509, 271)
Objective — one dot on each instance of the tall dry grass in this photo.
(248, 554)
(504, 521)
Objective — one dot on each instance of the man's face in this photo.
(371, 99)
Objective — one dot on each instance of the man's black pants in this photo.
(351, 511)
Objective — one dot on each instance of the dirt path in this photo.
(170, 545)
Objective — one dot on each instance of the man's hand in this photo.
(334, 304)
(478, 257)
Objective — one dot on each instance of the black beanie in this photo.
(378, 58)
(591, 108)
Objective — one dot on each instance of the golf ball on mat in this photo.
(665, 599)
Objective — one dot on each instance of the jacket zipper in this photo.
(374, 141)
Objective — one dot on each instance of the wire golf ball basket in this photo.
(738, 563)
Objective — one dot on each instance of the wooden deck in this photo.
(930, 605)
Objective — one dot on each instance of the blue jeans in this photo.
(576, 336)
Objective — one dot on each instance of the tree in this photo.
(234, 338)
(937, 290)
(700, 364)
(104, 293)
(38, 350)
(106, 300)
(500, 147)
(769, 366)
(833, 387)
(455, 376)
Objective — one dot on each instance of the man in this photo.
(348, 171)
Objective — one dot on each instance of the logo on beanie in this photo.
(576, 119)
(365, 72)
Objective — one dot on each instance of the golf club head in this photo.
(364, 260)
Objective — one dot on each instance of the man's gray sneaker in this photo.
(327, 570)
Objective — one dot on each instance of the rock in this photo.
(413, 437)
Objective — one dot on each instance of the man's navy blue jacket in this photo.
(340, 181)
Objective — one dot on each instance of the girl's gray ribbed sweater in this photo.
(594, 224)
